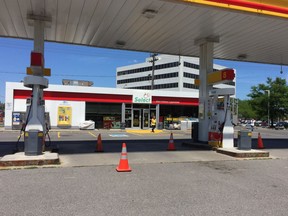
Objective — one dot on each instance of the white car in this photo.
(249, 127)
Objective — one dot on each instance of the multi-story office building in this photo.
(174, 73)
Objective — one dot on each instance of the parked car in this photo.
(258, 123)
(264, 124)
(249, 127)
(281, 126)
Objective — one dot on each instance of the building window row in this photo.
(149, 77)
(191, 65)
(190, 86)
(160, 86)
(192, 76)
(149, 68)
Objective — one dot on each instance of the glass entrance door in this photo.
(146, 118)
(136, 118)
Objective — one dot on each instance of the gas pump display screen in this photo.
(220, 104)
(16, 118)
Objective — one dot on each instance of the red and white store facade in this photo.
(69, 106)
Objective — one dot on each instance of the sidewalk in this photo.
(101, 159)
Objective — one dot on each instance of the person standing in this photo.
(153, 123)
(252, 124)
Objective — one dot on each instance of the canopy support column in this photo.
(35, 129)
(206, 46)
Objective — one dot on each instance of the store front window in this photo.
(105, 115)
(171, 116)
(128, 118)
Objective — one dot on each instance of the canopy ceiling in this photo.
(160, 26)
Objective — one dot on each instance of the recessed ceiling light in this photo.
(242, 56)
(149, 13)
(120, 43)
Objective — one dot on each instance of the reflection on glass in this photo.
(136, 118)
(146, 118)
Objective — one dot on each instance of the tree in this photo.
(2, 106)
(273, 95)
(245, 110)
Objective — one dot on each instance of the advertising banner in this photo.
(64, 115)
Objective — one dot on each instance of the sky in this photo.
(99, 65)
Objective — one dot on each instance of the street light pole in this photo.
(268, 92)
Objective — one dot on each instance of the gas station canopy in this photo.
(253, 31)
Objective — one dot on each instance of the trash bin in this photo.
(160, 126)
(194, 132)
(244, 140)
(184, 125)
(122, 125)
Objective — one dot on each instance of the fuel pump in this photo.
(35, 128)
(221, 131)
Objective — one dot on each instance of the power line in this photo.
(62, 75)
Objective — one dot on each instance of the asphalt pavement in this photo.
(77, 147)
(216, 188)
(189, 181)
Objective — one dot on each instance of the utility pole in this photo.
(153, 60)
(268, 92)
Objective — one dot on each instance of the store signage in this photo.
(142, 97)
(64, 115)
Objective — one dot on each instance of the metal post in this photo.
(206, 46)
(39, 36)
(206, 66)
(268, 93)
(123, 116)
(35, 129)
(157, 115)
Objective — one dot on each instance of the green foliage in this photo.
(2, 106)
(245, 110)
(273, 94)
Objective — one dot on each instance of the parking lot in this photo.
(188, 181)
(77, 147)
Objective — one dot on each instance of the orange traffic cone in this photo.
(171, 146)
(99, 147)
(260, 143)
(123, 164)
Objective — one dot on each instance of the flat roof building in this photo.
(172, 73)
(68, 106)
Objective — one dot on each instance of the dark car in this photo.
(281, 126)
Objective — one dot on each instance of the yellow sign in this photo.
(64, 115)
(221, 76)
(46, 71)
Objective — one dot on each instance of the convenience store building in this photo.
(109, 108)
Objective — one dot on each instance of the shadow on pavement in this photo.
(271, 143)
(109, 146)
(112, 146)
